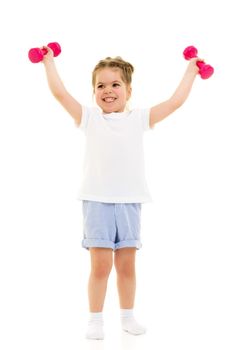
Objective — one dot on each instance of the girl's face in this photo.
(111, 92)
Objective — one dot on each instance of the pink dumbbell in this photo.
(36, 55)
(205, 70)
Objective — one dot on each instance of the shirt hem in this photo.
(115, 199)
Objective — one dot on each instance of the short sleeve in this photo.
(85, 118)
(145, 118)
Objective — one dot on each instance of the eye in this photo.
(100, 86)
(115, 84)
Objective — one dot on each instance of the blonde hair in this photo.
(126, 68)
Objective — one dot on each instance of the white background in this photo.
(184, 293)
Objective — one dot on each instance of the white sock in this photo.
(129, 324)
(95, 326)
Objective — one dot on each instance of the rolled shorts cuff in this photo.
(93, 243)
(128, 244)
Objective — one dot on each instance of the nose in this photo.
(108, 89)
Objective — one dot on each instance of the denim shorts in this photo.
(111, 225)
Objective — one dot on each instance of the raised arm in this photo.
(58, 90)
(164, 109)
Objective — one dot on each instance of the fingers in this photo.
(198, 59)
(48, 49)
(48, 54)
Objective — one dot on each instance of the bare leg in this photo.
(101, 265)
(126, 282)
(126, 276)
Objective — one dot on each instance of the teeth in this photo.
(109, 99)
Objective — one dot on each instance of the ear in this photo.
(129, 92)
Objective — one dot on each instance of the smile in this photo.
(109, 99)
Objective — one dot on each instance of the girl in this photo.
(114, 184)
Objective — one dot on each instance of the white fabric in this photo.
(114, 170)
(95, 326)
(129, 323)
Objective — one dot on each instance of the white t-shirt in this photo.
(114, 170)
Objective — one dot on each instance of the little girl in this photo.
(114, 184)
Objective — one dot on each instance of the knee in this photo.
(101, 269)
(125, 269)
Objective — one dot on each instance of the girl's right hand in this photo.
(48, 57)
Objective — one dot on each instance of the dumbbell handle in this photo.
(36, 54)
(205, 70)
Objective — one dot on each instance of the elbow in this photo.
(176, 103)
(58, 91)
(59, 95)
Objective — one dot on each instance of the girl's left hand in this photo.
(192, 67)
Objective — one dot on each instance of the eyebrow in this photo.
(115, 81)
